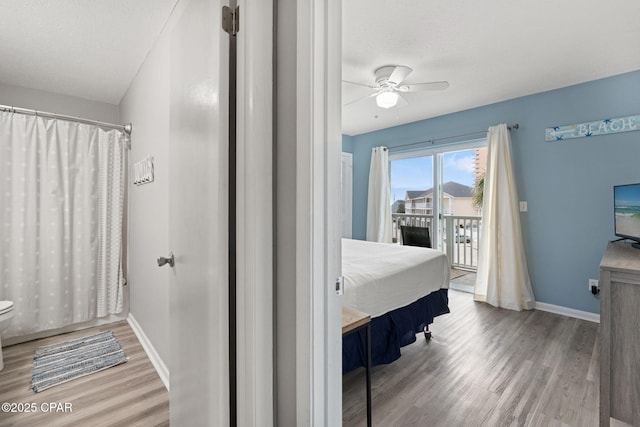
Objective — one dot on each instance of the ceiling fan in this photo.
(388, 85)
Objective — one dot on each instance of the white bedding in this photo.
(380, 277)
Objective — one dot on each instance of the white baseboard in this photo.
(543, 306)
(569, 312)
(153, 355)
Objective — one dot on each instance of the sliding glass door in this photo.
(440, 188)
(411, 192)
(462, 177)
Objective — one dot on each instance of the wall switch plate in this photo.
(523, 206)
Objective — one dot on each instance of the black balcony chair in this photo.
(415, 236)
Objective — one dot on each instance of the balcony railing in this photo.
(419, 205)
(416, 220)
(461, 236)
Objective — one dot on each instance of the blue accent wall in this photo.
(568, 184)
(347, 144)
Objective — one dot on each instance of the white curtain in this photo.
(503, 277)
(62, 192)
(379, 202)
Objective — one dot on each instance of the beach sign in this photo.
(600, 127)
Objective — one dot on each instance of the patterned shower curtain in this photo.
(62, 187)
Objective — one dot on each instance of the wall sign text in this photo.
(600, 127)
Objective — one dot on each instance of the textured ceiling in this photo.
(489, 51)
(88, 49)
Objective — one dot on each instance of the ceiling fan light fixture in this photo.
(387, 99)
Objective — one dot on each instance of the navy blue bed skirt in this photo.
(391, 331)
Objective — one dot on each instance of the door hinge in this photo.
(231, 19)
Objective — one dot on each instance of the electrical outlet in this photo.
(593, 283)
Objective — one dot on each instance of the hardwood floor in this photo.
(130, 394)
(486, 367)
(483, 367)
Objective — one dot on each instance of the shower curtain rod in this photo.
(126, 128)
(431, 141)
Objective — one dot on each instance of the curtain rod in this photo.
(431, 141)
(126, 128)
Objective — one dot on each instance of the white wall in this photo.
(23, 97)
(146, 106)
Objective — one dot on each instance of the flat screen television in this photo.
(626, 207)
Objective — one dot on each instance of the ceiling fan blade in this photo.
(360, 99)
(399, 74)
(418, 87)
(401, 101)
(360, 84)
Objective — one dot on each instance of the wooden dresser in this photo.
(620, 334)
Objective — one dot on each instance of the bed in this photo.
(402, 287)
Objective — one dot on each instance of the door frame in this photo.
(318, 223)
(322, 67)
(254, 215)
(308, 223)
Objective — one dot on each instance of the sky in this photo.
(417, 173)
(626, 195)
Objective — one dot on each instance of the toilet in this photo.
(6, 313)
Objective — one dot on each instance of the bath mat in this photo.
(59, 363)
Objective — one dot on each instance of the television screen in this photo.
(627, 211)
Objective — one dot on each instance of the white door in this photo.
(198, 213)
(347, 194)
